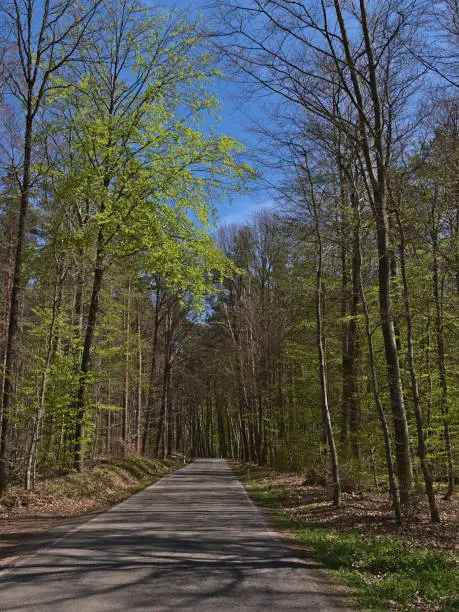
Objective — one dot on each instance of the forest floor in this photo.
(387, 567)
(57, 500)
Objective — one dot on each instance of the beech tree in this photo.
(43, 40)
(144, 166)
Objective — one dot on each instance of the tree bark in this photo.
(336, 485)
(80, 404)
(382, 416)
(375, 157)
(10, 352)
(353, 343)
(127, 316)
(422, 450)
(151, 385)
(139, 384)
(323, 386)
(50, 349)
(441, 357)
(402, 441)
(161, 442)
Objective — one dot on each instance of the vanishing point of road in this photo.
(191, 541)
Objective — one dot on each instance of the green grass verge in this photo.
(383, 572)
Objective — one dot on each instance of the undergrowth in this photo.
(91, 489)
(383, 572)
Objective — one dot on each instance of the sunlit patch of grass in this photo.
(383, 572)
(386, 573)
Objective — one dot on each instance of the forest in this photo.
(321, 336)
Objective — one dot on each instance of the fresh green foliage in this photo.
(142, 171)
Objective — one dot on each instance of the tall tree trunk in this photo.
(402, 441)
(162, 430)
(10, 352)
(50, 349)
(323, 385)
(353, 344)
(170, 422)
(336, 485)
(422, 450)
(375, 153)
(379, 406)
(349, 306)
(344, 348)
(6, 298)
(151, 385)
(80, 404)
(243, 401)
(125, 423)
(374, 377)
(139, 385)
(351, 400)
(441, 357)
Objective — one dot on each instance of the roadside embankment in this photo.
(52, 502)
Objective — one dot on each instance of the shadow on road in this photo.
(192, 541)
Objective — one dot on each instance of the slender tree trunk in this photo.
(7, 303)
(162, 431)
(374, 149)
(422, 450)
(108, 440)
(429, 376)
(50, 349)
(441, 358)
(151, 385)
(125, 424)
(395, 292)
(379, 406)
(323, 376)
(349, 306)
(402, 441)
(354, 351)
(344, 349)
(80, 404)
(10, 352)
(374, 377)
(243, 407)
(324, 394)
(139, 385)
(353, 340)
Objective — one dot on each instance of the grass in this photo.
(383, 572)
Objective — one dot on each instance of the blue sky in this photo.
(234, 123)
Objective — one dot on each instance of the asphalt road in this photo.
(191, 541)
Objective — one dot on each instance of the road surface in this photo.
(191, 541)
